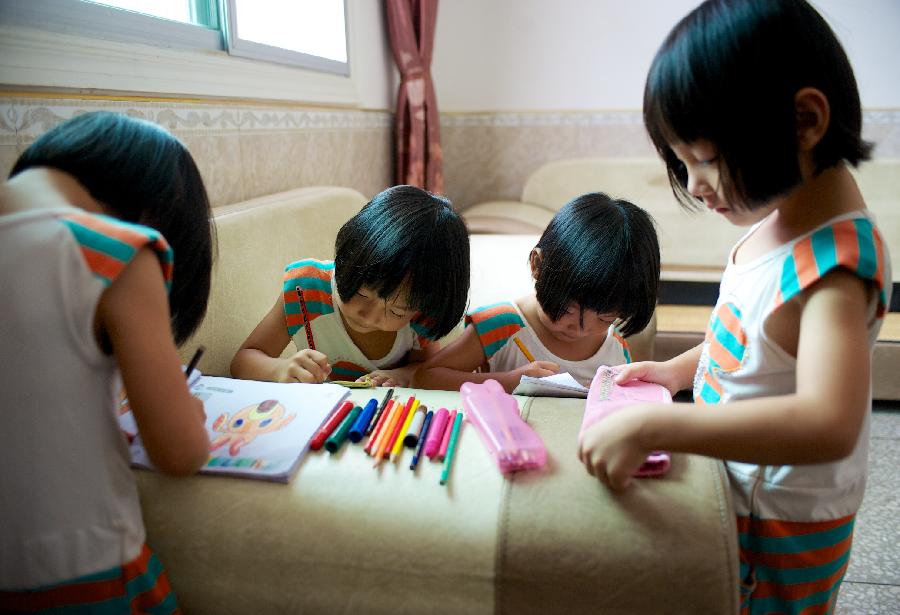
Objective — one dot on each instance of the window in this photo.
(305, 33)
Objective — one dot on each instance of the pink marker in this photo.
(445, 441)
(436, 433)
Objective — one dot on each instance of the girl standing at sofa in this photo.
(398, 282)
(754, 108)
(596, 272)
(94, 299)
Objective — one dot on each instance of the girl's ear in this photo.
(813, 117)
(534, 259)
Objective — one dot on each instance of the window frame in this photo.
(76, 45)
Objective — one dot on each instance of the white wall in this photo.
(371, 64)
(520, 55)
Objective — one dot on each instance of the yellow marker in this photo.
(398, 445)
(524, 350)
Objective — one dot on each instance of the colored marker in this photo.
(445, 441)
(451, 448)
(330, 425)
(395, 432)
(380, 411)
(379, 428)
(425, 426)
(362, 423)
(436, 432)
(415, 426)
(335, 440)
(401, 435)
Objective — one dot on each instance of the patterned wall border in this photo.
(24, 119)
(597, 118)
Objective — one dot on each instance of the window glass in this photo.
(313, 27)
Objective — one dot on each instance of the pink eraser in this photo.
(606, 397)
(436, 433)
(445, 441)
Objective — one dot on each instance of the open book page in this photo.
(256, 429)
(557, 385)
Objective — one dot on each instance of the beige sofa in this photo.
(344, 537)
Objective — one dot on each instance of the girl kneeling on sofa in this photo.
(399, 281)
(596, 273)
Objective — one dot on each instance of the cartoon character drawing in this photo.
(248, 423)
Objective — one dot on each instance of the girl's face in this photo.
(701, 161)
(366, 312)
(574, 326)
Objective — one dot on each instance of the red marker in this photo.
(330, 425)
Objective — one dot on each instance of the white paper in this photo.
(256, 429)
(557, 385)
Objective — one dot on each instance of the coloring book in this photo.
(557, 385)
(256, 429)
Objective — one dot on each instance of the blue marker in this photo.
(362, 423)
(425, 426)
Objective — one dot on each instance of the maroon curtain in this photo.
(419, 161)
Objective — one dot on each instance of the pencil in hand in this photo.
(524, 350)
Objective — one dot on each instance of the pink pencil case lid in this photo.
(606, 397)
(494, 413)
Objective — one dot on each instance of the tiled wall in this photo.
(246, 150)
(489, 156)
(242, 150)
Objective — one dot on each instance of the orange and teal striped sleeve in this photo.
(314, 279)
(726, 347)
(108, 244)
(495, 325)
(421, 325)
(854, 245)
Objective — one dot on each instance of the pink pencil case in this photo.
(494, 413)
(606, 397)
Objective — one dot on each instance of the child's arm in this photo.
(454, 365)
(259, 357)
(818, 423)
(676, 374)
(133, 314)
(403, 376)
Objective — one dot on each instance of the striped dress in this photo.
(315, 280)
(795, 523)
(498, 324)
(72, 536)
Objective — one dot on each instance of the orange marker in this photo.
(379, 428)
(383, 441)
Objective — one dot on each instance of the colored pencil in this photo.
(380, 411)
(306, 324)
(451, 448)
(524, 349)
(394, 433)
(379, 429)
(383, 441)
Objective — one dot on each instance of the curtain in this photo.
(419, 161)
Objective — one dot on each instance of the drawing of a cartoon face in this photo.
(248, 423)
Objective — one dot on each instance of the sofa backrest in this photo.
(256, 239)
(692, 240)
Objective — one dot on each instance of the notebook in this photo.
(258, 430)
(557, 385)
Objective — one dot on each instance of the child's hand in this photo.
(611, 449)
(305, 366)
(537, 369)
(388, 378)
(649, 371)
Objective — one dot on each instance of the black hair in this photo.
(603, 254)
(728, 72)
(406, 235)
(140, 173)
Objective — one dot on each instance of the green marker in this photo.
(451, 447)
(336, 440)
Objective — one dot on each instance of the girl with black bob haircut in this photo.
(754, 108)
(596, 271)
(729, 74)
(141, 174)
(89, 218)
(399, 281)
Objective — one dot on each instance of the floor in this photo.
(872, 583)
